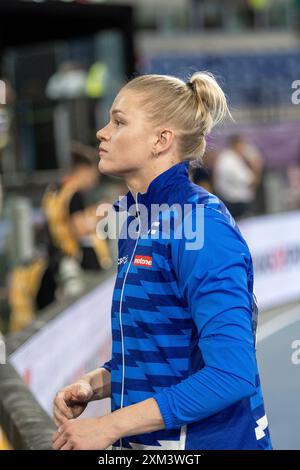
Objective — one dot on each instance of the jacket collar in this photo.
(157, 191)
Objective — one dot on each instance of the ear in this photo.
(164, 141)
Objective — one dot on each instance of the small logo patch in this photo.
(141, 260)
(122, 260)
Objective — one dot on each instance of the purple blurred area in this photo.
(279, 143)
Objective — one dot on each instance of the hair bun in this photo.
(210, 96)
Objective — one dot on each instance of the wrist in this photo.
(113, 427)
(141, 418)
(99, 381)
(86, 381)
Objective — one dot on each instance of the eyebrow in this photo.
(116, 111)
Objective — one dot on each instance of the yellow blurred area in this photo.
(258, 4)
(4, 444)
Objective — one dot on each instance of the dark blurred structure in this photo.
(297, 11)
(89, 34)
(203, 174)
(64, 63)
(214, 15)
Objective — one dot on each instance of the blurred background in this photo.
(61, 64)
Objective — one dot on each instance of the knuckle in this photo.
(61, 394)
(67, 428)
(58, 399)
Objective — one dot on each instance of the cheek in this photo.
(123, 137)
(129, 147)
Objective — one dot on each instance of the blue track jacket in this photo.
(184, 320)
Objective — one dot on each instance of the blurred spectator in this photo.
(68, 82)
(72, 225)
(237, 174)
(72, 244)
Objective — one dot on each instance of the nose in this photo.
(103, 134)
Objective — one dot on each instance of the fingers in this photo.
(68, 413)
(55, 436)
(59, 440)
(78, 393)
(60, 404)
(61, 414)
(67, 446)
(59, 418)
(70, 402)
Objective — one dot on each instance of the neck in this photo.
(139, 181)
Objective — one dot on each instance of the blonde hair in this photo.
(192, 108)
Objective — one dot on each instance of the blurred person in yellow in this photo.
(4, 444)
(72, 244)
(25, 282)
(71, 224)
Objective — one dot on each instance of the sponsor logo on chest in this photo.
(143, 261)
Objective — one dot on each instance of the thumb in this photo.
(78, 392)
(83, 392)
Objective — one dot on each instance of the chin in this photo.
(102, 167)
(106, 169)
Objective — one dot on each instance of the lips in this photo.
(102, 150)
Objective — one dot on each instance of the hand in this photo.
(84, 434)
(71, 401)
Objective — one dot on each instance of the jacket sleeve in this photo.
(107, 366)
(213, 280)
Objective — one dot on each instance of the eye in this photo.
(117, 122)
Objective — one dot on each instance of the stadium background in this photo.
(253, 48)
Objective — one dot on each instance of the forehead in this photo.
(126, 101)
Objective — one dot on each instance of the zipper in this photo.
(120, 308)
